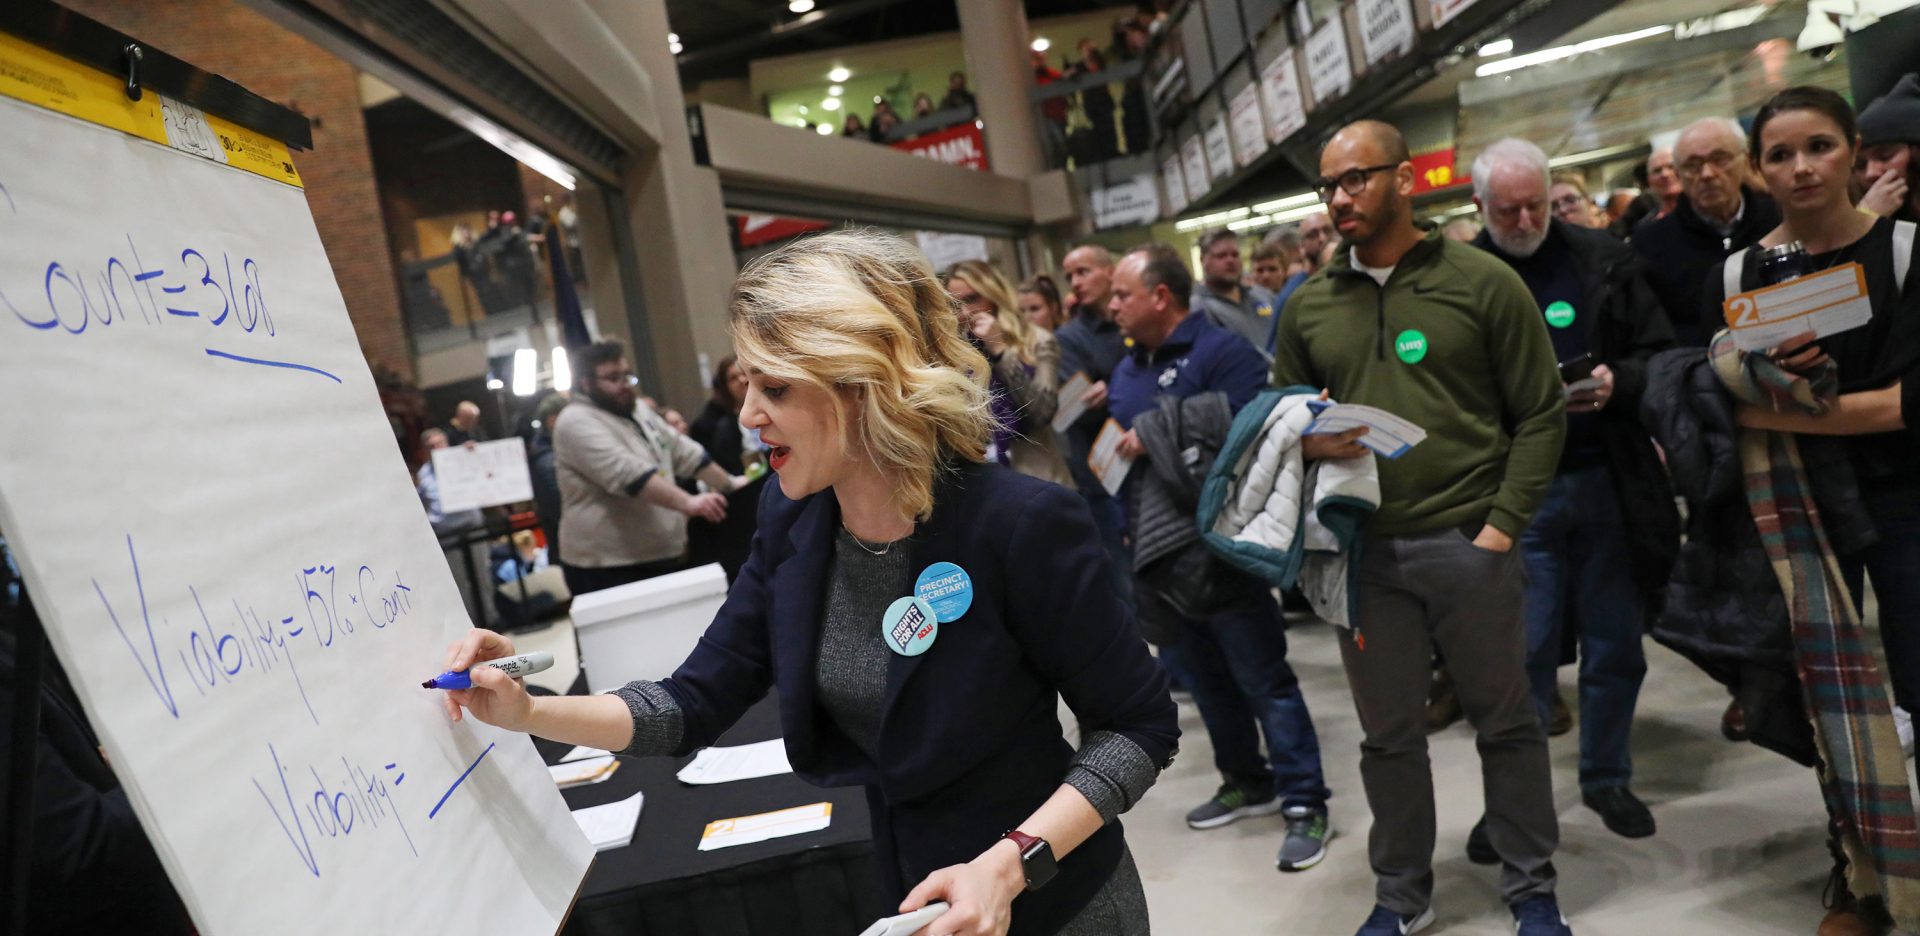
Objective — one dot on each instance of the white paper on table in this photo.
(1388, 435)
(1106, 461)
(611, 825)
(745, 830)
(741, 762)
(591, 770)
(1071, 406)
(487, 475)
(1823, 303)
(582, 753)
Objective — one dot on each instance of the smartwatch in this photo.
(1036, 859)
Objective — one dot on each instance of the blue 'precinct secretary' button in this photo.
(948, 588)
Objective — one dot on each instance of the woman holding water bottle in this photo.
(919, 611)
(1803, 146)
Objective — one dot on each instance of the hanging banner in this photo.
(943, 250)
(1329, 69)
(1249, 129)
(1280, 87)
(1193, 166)
(757, 229)
(959, 145)
(1444, 10)
(1133, 202)
(1386, 28)
(1219, 149)
(1433, 171)
(1176, 187)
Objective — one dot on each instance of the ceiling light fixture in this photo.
(1042, 44)
(799, 6)
(1557, 53)
(839, 74)
(832, 103)
(824, 130)
(1496, 47)
(837, 90)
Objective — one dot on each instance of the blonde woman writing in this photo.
(918, 609)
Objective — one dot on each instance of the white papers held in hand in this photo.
(610, 825)
(1106, 461)
(744, 762)
(1823, 303)
(1387, 435)
(1071, 407)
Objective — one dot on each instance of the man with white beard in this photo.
(1599, 548)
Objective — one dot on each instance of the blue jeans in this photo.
(1580, 574)
(1894, 563)
(1235, 664)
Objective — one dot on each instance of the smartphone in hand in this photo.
(1577, 369)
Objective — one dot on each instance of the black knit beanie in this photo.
(1895, 116)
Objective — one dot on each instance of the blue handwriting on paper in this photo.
(223, 294)
(334, 807)
(219, 650)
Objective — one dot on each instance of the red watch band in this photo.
(1023, 840)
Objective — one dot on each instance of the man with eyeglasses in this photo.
(1447, 337)
(1717, 214)
(622, 516)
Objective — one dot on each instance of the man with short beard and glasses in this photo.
(1448, 338)
(623, 518)
(1718, 213)
(1599, 549)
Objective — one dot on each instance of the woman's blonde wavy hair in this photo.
(1015, 330)
(862, 311)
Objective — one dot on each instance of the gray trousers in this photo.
(1415, 591)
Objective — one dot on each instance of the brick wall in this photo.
(228, 39)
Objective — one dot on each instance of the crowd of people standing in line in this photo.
(1574, 383)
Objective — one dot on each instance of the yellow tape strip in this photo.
(32, 74)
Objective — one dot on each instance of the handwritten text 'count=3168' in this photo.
(216, 290)
(333, 603)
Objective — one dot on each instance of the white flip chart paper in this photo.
(230, 561)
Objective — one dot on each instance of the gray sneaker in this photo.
(1232, 803)
(1306, 843)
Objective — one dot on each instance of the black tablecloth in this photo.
(662, 885)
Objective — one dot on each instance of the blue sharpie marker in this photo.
(526, 664)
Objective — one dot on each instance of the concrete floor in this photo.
(1740, 848)
(1739, 851)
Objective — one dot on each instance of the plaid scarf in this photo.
(1864, 777)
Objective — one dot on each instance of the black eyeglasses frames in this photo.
(1352, 181)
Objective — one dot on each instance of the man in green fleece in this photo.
(1449, 338)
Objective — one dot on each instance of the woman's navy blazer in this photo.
(970, 743)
